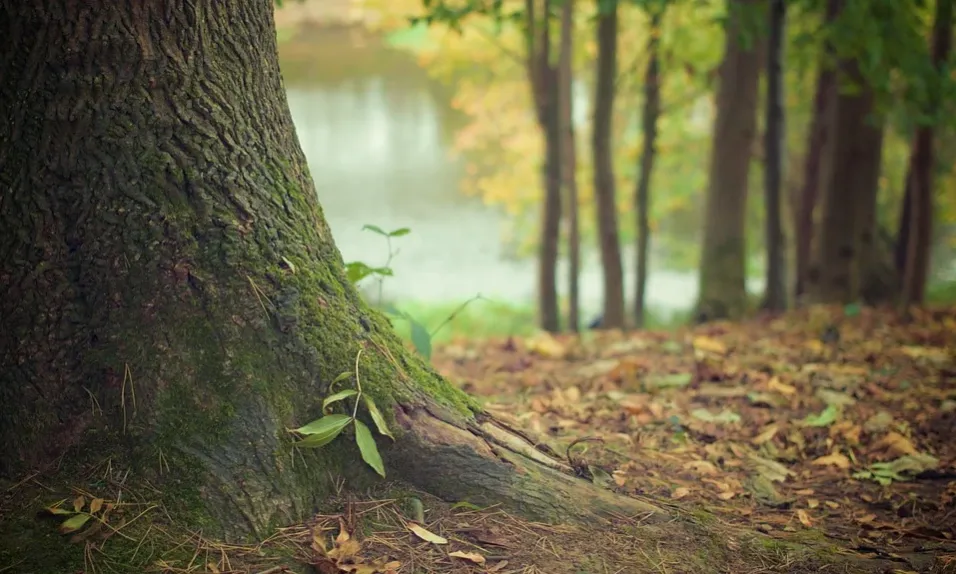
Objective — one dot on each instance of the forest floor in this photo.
(830, 429)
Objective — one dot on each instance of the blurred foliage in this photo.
(476, 47)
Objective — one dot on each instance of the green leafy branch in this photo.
(357, 270)
(324, 430)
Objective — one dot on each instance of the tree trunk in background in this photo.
(604, 193)
(569, 162)
(818, 146)
(164, 258)
(775, 296)
(543, 78)
(920, 173)
(844, 239)
(723, 289)
(649, 116)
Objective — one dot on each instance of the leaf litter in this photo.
(817, 419)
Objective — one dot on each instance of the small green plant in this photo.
(420, 335)
(358, 270)
(325, 429)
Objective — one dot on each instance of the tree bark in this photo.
(919, 181)
(649, 117)
(543, 78)
(845, 236)
(171, 292)
(723, 289)
(604, 192)
(569, 163)
(818, 146)
(775, 296)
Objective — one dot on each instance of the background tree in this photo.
(919, 180)
(815, 157)
(775, 296)
(569, 163)
(723, 289)
(543, 75)
(604, 184)
(649, 117)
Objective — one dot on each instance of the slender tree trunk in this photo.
(649, 116)
(604, 192)
(171, 292)
(775, 297)
(844, 240)
(818, 146)
(543, 78)
(569, 162)
(723, 289)
(920, 173)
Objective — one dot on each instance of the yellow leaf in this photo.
(895, 445)
(680, 492)
(836, 459)
(812, 503)
(804, 518)
(426, 535)
(709, 345)
(546, 346)
(473, 556)
(774, 384)
(766, 435)
(702, 467)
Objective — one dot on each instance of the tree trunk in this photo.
(569, 163)
(543, 78)
(775, 297)
(171, 292)
(649, 116)
(845, 237)
(723, 289)
(919, 181)
(604, 193)
(818, 147)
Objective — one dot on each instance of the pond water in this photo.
(377, 133)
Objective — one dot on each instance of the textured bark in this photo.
(604, 192)
(569, 163)
(642, 193)
(723, 289)
(919, 181)
(818, 147)
(844, 249)
(543, 76)
(775, 296)
(171, 292)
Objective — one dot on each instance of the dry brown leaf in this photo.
(709, 345)
(812, 503)
(680, 492)
(472, 556)
(774, 384)
(835, 459)
(895, 445)
(78, 503)
(804, 518)
(832, 504)
(95, 505)
(497, 567)
(766, 435)
(702, 467)
(426, 535)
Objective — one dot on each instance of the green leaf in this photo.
(851, 310)
(401, 231)
(322, 431)
(421, 338)
(341, 377)
(339, 396)
(824, 419)
(375, 229)
(59, 510)
(74, 523)
(377, 417)
(356, 271)
(368, 448)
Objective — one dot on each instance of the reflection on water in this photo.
(377, 134)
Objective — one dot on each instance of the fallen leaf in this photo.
(702, 467)
(709, 345)
(774, 384)
(766, 435)
(472, 556)
(426, 535)
(835, 459)
(894, 444)
(680, 492)
(804, 518)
